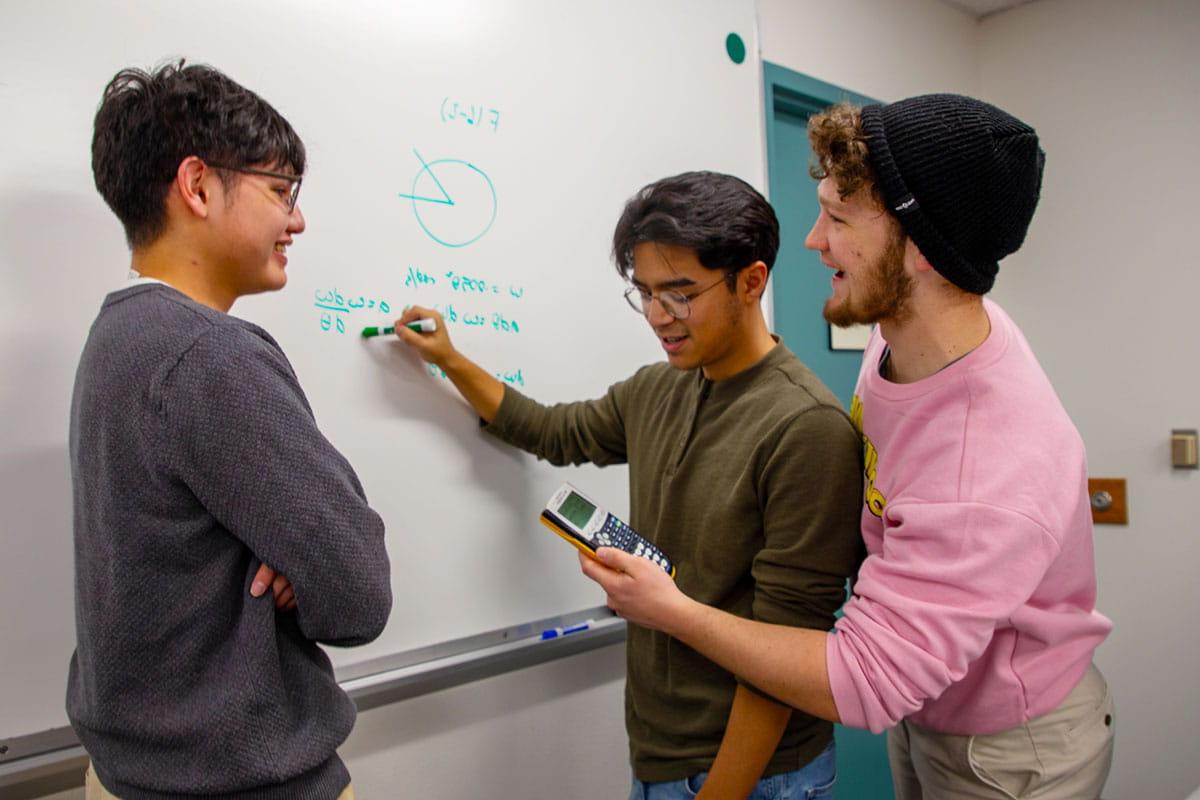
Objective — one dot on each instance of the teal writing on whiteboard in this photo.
(335, 308)
(514, 378)
(497, 322)
(416, 277)
(466, 284)
(479, 117)
(453, 201)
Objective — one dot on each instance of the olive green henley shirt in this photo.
(753, 486)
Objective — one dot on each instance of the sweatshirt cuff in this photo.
(845, 695)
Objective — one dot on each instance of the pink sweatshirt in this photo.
(975, 608)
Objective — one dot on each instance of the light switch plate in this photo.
(1183, 449)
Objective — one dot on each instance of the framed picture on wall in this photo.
(852, 338)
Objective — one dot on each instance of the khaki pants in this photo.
(1062, 755)
(95, 791)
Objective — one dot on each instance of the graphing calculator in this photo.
(581, 522)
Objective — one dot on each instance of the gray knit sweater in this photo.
(195, 457)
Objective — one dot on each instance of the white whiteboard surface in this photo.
(561, 109)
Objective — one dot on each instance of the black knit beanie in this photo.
(962, 176)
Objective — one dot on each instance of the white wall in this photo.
(1106, 290)
(881, 48)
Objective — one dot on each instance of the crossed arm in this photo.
(298, 506)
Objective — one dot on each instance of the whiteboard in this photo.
(538, 118)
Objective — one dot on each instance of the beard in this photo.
(884, 292)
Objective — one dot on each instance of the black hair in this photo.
(723, 219)
(148, 122)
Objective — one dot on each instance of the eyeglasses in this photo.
(674, 303)
(293, 190)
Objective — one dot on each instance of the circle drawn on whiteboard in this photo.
(453, 200)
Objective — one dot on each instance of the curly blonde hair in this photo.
(839, 151)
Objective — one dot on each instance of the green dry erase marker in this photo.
(418, 325)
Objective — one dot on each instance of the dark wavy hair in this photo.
(148, 122)
(723, 219)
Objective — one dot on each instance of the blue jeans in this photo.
(814, 780)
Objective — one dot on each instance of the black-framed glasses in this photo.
(293, 191)
(674, 303)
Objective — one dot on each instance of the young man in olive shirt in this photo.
(743, 468)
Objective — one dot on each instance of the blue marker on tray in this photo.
(554, 633)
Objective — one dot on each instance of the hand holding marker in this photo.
(422, 329)
(418, 325)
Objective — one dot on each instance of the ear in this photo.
(914, 259)
(754, 278)
(191, 185)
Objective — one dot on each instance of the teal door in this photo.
(801, 284)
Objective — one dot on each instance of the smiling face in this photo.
(713, 336)
(866, 248)
(252, 232)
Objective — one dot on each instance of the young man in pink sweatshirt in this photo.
(972, 625)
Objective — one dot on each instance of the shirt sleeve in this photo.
(926, 606)
(568, 433)
(240, 434)
(810, 490)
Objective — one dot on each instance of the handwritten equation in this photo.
(335, 308)
(417, 278)
(515, 378)
(470, 114)
(474, 303)
(497, 321)
(474, 286)
(477, 302)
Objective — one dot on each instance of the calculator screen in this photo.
(577, 510)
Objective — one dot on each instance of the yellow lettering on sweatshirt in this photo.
(874, 498)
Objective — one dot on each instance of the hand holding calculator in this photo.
(581, 522)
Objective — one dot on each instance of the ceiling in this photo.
(985, 8)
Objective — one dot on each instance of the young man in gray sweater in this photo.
(218, 535)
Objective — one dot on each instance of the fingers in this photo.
(597, 570)
(262, 579)
(616, 581)
(414, 313)
(286, 599)
(590, 567)
(433, 346)
(411, 337)
(279, 586)
(267, 578)
(417, 312)
(619, 560)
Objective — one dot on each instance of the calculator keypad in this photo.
(615, 533)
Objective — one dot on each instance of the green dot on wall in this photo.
(736, 48)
